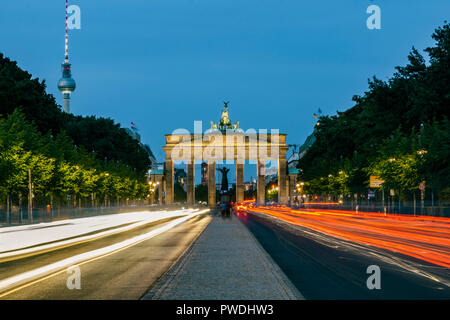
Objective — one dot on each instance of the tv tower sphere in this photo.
(66, 84)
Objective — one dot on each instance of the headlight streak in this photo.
(424, 238)
(12, 282)
(363, 249)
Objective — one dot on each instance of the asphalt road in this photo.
(320, 265)
(126, 274)
(325, 267)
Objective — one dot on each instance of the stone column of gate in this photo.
(190, 182)
(282, 173)
(239, 181)
(169, 180)
(260, 182)
(212, 184)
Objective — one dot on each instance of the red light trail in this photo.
(422, 237)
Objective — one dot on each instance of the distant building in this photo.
(308, 143)
(250, 185)
(156, 169)
(154, 164)
(271, 173)
(292, 161)
(300, 153)
(132, 132)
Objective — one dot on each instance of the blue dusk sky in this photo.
(165, 63)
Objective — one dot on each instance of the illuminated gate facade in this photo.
(226, 143)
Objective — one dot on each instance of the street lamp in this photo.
(152, 188)
(422, 152)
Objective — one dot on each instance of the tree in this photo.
(393, 119)
(179, 194)
(201, 193)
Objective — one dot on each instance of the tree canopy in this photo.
(58, 169)
(398, 129)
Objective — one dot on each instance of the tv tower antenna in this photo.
(66, 84)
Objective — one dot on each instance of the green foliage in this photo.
(179, 194)
(201, 193)
(404, 118)
(100, 136)
(65, 155)
(107, 141)
(57, 167)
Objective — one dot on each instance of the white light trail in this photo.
(21, 237)
(25, 277)
(142, 219)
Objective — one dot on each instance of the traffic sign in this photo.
(422, 186)
(376, 182)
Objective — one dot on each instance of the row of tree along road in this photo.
(398, 132)
(52, 161)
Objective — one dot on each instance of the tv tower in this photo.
(66, 84)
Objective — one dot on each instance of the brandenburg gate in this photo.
(225, 142)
